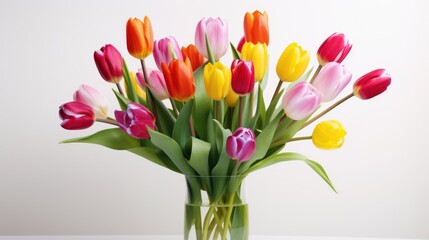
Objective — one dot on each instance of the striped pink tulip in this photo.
(301, 100)
(331, 80)
(76, 115)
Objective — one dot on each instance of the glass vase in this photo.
(216, 208)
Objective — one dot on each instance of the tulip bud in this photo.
(328, 135)
(371, 84)
(93, 98)
(109, 63)
(193, 55)
(232, 98)
(334, 49)
(136, 120)
(162, 51)
(217, 80)
(241, 43)
(292, 63)
(258, 54)
(241, 145)
(216, 30)
(139, 37)
(331, 80)
(76, 115)
(256, 27)
(243, 76)
(301, 100)
(179, 79)
(156, 83)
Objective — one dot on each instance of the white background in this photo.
(380, 173)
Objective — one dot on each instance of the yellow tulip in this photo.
(292, 63)
(258, 54)
(231, 99)
(217, 80)
(328, 135)
(139, 91)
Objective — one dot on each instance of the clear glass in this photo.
(216, 208)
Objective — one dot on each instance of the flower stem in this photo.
(327, 110)
(191, 127)
(228, 216)
(207, 223)
(278, 143)
(107, 120)
(120, 89)
(279, 85)
(218, 111)
(173, 105)
(315, 74)
(240, 111)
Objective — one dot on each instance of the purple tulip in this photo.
(217, 33)
(331, 80)
(93, 98)
(162, 51)
(109, 63)
(241, 145)
(76, 115)
(301, 100)
(243, 76)
(135, 120)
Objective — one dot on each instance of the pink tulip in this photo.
(331, 80)
(301, 100)
(334, 49)
(162, 51)
(371, 84)
(156, 83)
(217, 33)
(76, 115)
(109, 63)
(243, 76)
(135, 120)
(241, 145)
(93, 98)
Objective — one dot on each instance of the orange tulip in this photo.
(193, 55)
(256, 27)
(179, 79)
(139, 37)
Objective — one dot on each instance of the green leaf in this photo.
(272, 107)
(181, 131)
(172, 149)
(113, 138)
(290, 156)
(123, 101)
(224, 163)
(161, 112)
(199, 159)
(260, 107)
(131, 92)
(211, 58)
(154, 156)
(235, 53)
(202, 105)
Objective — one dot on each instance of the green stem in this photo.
(107, 120)
(240, 111)
(228, 216)
(173, 105)
(120, 89)
(327, 110)
(279, 86)
(207, 223)
(278, 143)
(218, 111)
(315, 74)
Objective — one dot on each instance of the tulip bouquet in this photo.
(211, 122)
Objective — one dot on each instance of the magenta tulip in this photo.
(241, 145)
(371, 84)
(241, 43)
(331, 80)
(301, 100)
(243, 76)
(93, 98)
(156, 83)
(334, 49)
(109, 63)
(162, 51)
(217, 33)
(76, 115)
(136, 120)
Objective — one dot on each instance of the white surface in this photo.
(381, 175)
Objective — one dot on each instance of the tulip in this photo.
(156, 83)
(140, 91)
(301, 100)
(136, 120)
(241, 43)
(232, 98)
(76, 115)
(109, 63)
(179, 79)
(331, 80)
(194, 56)
(328, 135)
(241, 145)
(217, 80)
(256, 27)
(371, 84)
(243, 76)
(334, 49)
(93, 98)
(258, 54)
(292, 63)
(216, 30)
(139, 37)
(164, 49)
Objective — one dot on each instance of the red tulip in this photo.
(76, 115)
(371, 84)
(109, 63)
(243, 76)
(334, 49)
